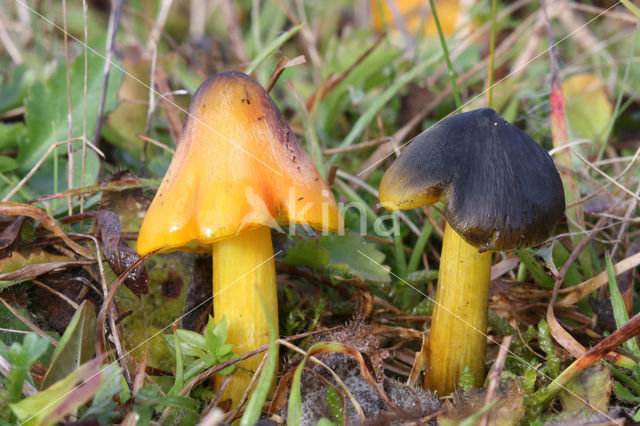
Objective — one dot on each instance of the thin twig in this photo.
(156, 143)
(26, 321)
(112, 311)
(606, 176)
(35, 168)
(84, 113)
(70, 150)
(114, 20)
(625, 223)
(158, 25)
(8, 43)
(494, 377)
(42, 285)
(235, 34)
(150, 109)
(168, 104)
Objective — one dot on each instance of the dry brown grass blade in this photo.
(557, 331)
(156, 143)
(606, 346)
(167, 104)
(32, 271)
(101, 323)
(365, 297)
(419, 362)
(19, 209)
(580, 291)
(282, 65)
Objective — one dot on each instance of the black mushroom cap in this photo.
(501, 189)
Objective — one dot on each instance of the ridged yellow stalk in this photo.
(243, 271)
(459, 322)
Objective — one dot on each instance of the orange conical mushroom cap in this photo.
(238, 165)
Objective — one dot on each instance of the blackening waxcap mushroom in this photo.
(501, 188)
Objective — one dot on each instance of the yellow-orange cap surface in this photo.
(237, 166)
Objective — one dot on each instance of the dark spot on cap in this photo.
(301, 198)
(172, 285)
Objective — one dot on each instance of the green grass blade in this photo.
(179, 381)
(534, 267)
(416, 254)
(385, 97)
(475, 418)
(398, 248)
(272, 47)
(632, 8)
(619, 309)
(294, 409)
(445, 50)
(259, 396)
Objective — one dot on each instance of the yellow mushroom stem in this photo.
(243, 270)
(459, 322)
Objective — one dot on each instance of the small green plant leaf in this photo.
(589, 391)
(22, 356)
(345, 255)
(103, 408)
(76, 346)
(625, 394)
(53, 404)
(466, 379)
(334, 402)
(7, 164)
(220, 330)
(178, 384)
(150, 397)
(552, 366)
(47, 109)
(526, 257)
(325, 422)
(307, 253)
(12, 90)
(12, 135)
(351, 254)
